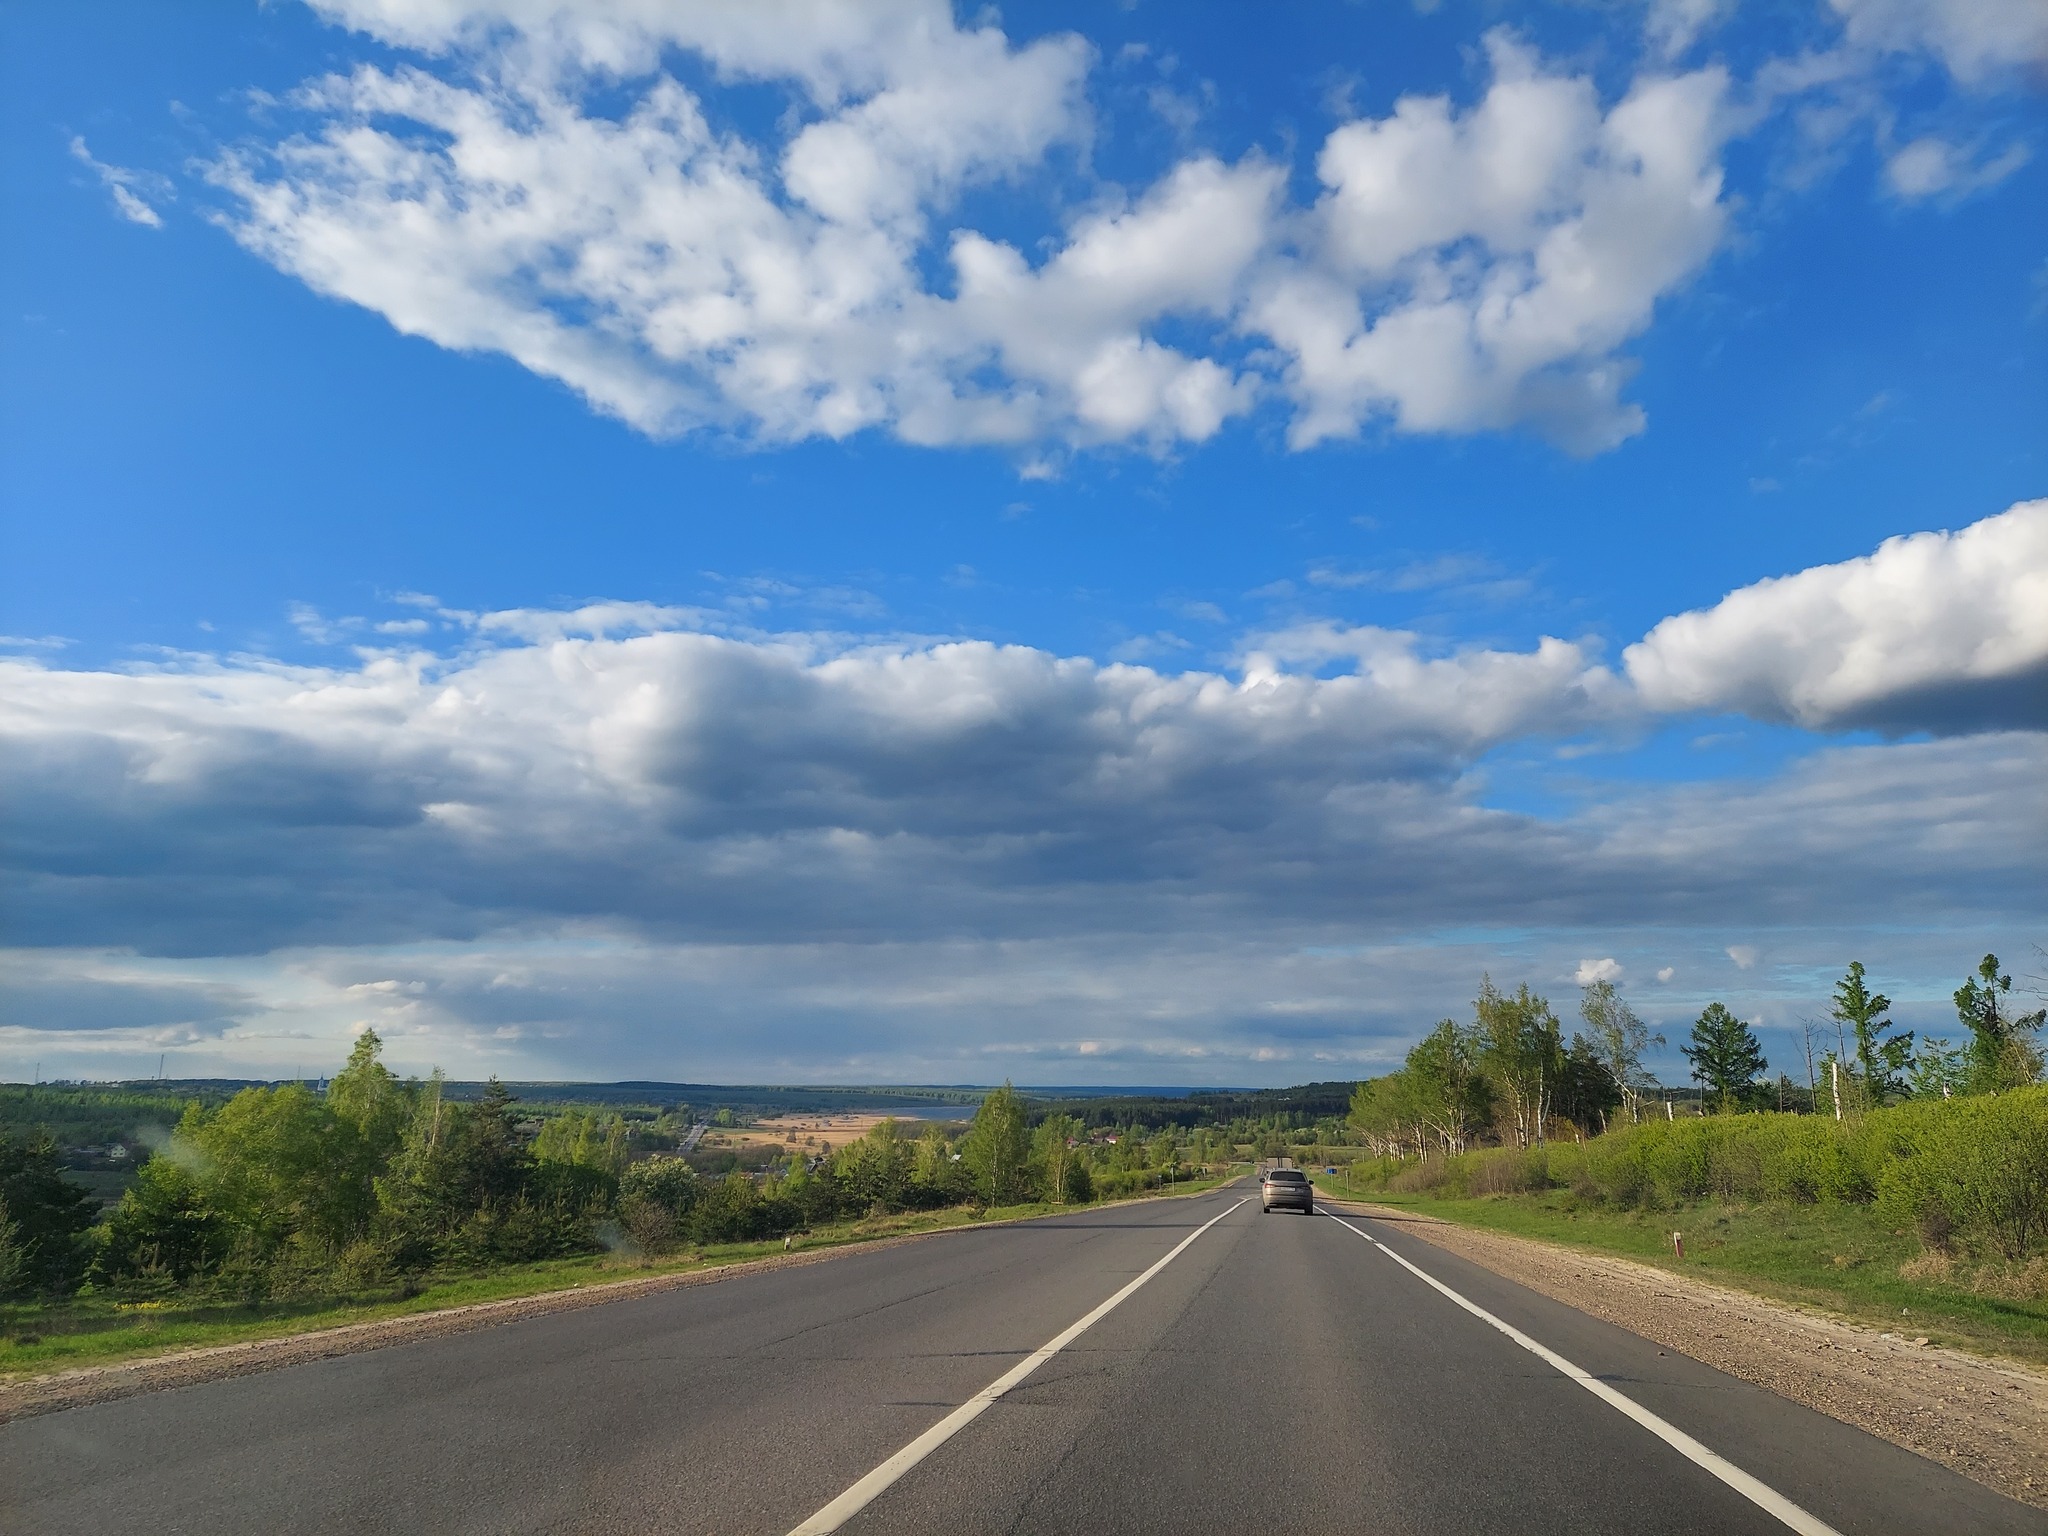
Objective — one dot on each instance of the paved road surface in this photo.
(1281, 1374)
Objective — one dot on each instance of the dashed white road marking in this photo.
(1761, 1494)
(864, 1492)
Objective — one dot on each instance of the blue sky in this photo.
(1086, 544)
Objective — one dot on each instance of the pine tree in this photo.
(44, 1215)
(2001, 1053)
(1880, 1061)
(1724, 1054)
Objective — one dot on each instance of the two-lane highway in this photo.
(1271, 1372)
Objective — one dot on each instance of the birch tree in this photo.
(1522, 1049)
(1619, 1038)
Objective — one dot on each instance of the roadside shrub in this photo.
(518, 1233)
(1427, 1176)
(734, 1210)
(662, 1181)
(1967, 1174)
(160, 1236)
(1131, 1181)
(651, 1225)
(1977, 1172)
(1080, 1183)
(1509, 1171)
(363, 1265)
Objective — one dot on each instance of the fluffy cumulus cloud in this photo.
(1933, 631)
(601, 830)
(1482, 268)
(1465, 269)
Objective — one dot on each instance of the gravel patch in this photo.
(1986, 1419)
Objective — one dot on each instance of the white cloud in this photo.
(1493, 695)
(660, 768)
(1465, 271)
(1481, 269)
(1933, 631)
(1930, 167)
(1665, 973)
(1590, 971)
(538, 851)
(126, 187)
(1672, 26)
(672, 273)
(617, 761)
(580, 923)
(1974, 38)
(1744, 956)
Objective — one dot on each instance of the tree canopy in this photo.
(1724, 1053)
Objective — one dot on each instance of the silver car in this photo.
(1287, 1189)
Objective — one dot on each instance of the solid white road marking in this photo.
(864, 1492)
(1758, 1493)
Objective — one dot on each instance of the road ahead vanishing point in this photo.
(1173, 1366)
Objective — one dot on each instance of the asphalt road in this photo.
(1280, 1374)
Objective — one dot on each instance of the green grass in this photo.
(40, 1337)
(1834, 1258)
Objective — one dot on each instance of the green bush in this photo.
(1131, 1181)
(1968, 1171)
(161, 1235)
(1976, 1173)
(43, 1218)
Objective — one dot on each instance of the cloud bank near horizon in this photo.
(571, 795)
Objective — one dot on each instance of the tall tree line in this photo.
(1510, 1075)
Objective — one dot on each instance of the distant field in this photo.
(817, 1133)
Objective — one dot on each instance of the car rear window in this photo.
(1287, 1176)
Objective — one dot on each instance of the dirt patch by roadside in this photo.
(1984, 1419)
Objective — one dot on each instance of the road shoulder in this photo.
(1985, 1419)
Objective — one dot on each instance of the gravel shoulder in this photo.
(1986, 1419)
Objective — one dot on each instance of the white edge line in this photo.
(1757, 1492)
(864, 1492)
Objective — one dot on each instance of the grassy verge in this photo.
(1836, 1258)
(40, 1337)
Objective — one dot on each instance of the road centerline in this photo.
(875, 1483)
(1758, 1492)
